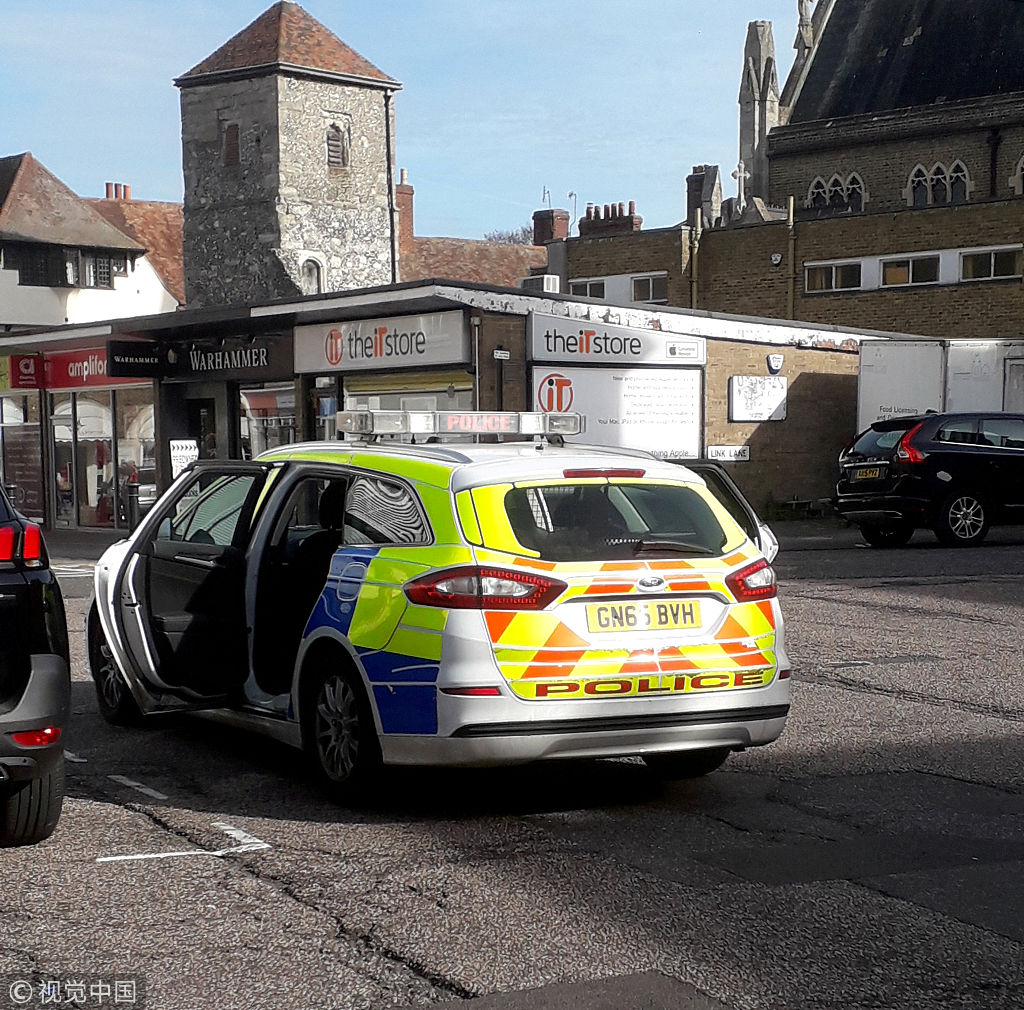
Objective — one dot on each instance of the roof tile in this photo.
(286, 34)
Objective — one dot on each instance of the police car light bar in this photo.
(457, 422)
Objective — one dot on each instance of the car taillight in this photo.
(755, 582)
(473, 587)
(37, 737)
(25, 546)
(907, 453)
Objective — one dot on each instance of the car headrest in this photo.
(331, 507)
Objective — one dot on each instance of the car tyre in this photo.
(113, 697)
(687, 764)
(30, 811)
(962, 520)
(890, 535)
(339, 733)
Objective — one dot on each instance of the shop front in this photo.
(21, 440)
(229, 397)
(99, 440)
(412, 362)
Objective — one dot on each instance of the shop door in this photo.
(202, 425)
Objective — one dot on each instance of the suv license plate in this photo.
(867, 473)
(648, 615)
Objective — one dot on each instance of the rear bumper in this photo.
(45, 702)
(502, 743)
(879, 510)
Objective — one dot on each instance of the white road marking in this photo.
(138, 786)
(249, 844)
(74, 758)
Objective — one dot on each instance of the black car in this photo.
(956, 474)
(35, 685)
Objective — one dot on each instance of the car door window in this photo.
(959, 432)
(1003, 432)
(210, 514)
(382, 511)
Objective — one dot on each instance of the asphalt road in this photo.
(870, 859)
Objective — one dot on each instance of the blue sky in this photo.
(614, 100)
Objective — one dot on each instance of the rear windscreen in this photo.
(878, 443)
(601, 521)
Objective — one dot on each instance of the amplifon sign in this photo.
(77, 369)
(584, 341)
(362, 345)
(21, 371)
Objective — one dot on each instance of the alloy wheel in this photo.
(337, 728)
(966, 517)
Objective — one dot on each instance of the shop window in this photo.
(910, 270)
(651, 289)
(990, 264)
(230, 149)
(832, 277)
(588, 289)
(339, 146)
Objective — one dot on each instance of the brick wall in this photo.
(665, 249)
(737, 275)
(795, 457)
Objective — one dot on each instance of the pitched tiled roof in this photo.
(286, 34)
(35, 206)
(881, 55)
(158, 226)
(476, 262)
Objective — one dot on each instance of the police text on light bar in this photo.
(457, 422)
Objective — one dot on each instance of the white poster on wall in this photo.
(657, 409)
(184, 452)
(758, 397)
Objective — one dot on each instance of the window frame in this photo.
(650, 279)
(589, 282)
(911, 260)
(992, 253)
(833, 266)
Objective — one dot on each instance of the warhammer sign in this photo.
(438, 338)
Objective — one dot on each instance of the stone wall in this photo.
(249, 227)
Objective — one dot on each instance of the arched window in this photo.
(939, 183)
(836, 193)
(817, 195)
(1017, 179)
(958, 182)
(855, 193)
(917, 188)
(339, 146)
(311, 277)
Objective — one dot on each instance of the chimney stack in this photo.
(110, 191)
(127, 191)
(118, 190)
(404, 194)
(550, 226)
(615, 220)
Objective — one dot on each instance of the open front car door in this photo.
(178, 599)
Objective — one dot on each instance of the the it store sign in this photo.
(364, 345)
(78, 369)
(586, 342)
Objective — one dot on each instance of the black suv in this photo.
(35, 685)
(954, 473)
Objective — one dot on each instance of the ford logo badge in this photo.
(650, 583)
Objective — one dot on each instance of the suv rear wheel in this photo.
(30, 811)
(962, 520)
(890, 535)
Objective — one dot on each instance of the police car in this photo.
(451, 603)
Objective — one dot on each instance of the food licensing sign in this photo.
(585, 342)
(657, 409)
(372, 345)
